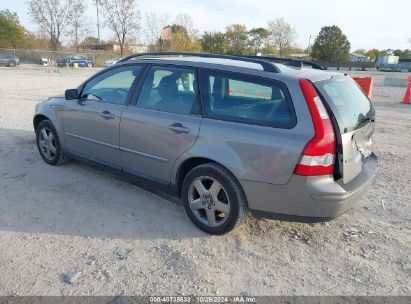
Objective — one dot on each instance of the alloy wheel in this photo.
(47, 144)
(209, 201)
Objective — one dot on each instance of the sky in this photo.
(367, 23)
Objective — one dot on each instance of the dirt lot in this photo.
(120, 239)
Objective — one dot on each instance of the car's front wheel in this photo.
(48, 144)
(12, 63)
(90, 65)
(213, 199)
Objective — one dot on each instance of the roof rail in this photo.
(267, 66)
(290, 62)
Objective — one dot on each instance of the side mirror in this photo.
(71, 94)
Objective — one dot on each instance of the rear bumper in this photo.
(309, 199)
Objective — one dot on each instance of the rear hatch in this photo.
(354, 119)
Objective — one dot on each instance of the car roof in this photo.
(237, 65)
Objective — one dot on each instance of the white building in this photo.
(355, 57)
(388, 59)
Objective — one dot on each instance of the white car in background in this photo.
(112, 61)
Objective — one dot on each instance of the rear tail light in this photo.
(318, 157)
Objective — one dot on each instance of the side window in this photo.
(169, 89)
(252, 100)
(112, 86)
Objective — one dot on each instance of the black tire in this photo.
(59, 158)
(12, 63)
(237, 202)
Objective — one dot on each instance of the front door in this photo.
(91, 123)
(162, 125)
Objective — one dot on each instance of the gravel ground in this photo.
(76, 230)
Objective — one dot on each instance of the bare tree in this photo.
(122, 17)
(186, 21)
(79, 29)
(153, 26)
(53, 17)
(282, 34)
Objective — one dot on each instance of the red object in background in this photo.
(366, 84)
(407, 96)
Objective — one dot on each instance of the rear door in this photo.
(162, 124)
(91, 123)
(355, 116)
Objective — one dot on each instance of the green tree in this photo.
(331, 45)
(182, 42)
(237, 39)
(406, 53)
(385, 52)
(373, 54)
(214, 43)
(258, 39)
(398, 52)
(293, 51)
(270, 49)
(11, 32)
(361, 51)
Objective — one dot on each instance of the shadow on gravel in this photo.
(77, 199)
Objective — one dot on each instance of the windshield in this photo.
(348, 102)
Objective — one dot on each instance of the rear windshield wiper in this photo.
(364, 121)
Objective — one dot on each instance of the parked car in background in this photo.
(81, 60)
(112, 61)
(228, 135)
(9, 60)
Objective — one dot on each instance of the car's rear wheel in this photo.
(90, 65)
(12, 63)
(213, 199)
(48, 144)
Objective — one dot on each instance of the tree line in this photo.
(278, 37)
(61, 21)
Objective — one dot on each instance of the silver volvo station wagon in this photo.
(229, 135)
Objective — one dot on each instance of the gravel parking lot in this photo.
(108, 237)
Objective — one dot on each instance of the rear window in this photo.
(246, 99)
(348, 102)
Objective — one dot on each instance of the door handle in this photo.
(107, 115)
(178, 128)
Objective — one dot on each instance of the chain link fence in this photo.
(37, 56)
(99, 58)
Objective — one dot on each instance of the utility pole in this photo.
(309, 43)
(98, 23)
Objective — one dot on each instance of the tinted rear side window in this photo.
(245, 99)
(348, 102)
